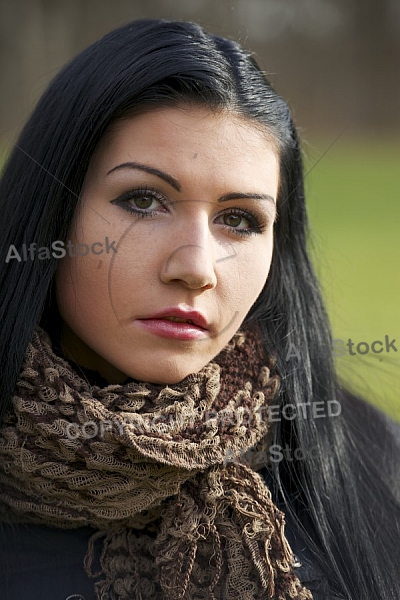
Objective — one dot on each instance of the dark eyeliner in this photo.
(123, 199)
(258, 225)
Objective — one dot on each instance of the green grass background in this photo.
(353, 199)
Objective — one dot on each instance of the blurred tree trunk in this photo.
(378, 64)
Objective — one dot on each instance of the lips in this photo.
(178, 315)
(175, 323)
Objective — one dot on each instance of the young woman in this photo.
(157, 439)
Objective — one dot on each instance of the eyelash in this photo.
(258, 225)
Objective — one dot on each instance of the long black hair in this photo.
(344, 491)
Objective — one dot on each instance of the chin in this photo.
(169, 373)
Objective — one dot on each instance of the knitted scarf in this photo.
(146, 466)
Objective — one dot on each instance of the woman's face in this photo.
(176, 213)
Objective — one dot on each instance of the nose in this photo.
(191, 261)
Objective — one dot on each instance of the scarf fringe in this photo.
(228, 520)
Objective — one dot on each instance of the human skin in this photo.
(190, 254)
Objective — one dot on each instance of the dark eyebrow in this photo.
(176, 185)
(165, 176)
(242, 196)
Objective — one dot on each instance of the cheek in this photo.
(252, 272)
(97, 292)
(82, 290)
(82, 275)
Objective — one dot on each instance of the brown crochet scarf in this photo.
(146, 466)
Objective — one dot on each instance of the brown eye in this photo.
(143, 201)
(140, 202)
(240, 222)
(232, 220)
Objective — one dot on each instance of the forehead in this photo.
(179, 135)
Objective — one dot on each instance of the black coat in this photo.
(47, 563)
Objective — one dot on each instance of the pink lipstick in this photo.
(176, 323)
